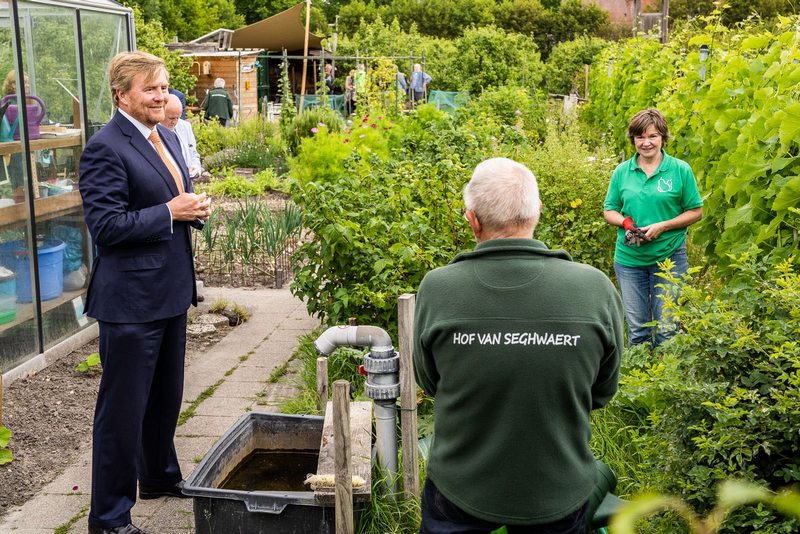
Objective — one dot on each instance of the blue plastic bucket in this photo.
(14, 256)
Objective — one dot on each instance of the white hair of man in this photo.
(219, 83)
(503, 194)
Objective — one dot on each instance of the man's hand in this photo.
(190, 207)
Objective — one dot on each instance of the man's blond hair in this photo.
(125, 66)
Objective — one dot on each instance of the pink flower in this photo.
(314, 130)
(379, 118)
(346, 139)
(74, 488)
(365, 119)
(321, 124)
(374, 125)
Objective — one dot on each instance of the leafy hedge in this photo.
(383, 199)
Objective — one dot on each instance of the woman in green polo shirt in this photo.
(652, 198)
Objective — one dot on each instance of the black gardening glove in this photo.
(633, 234)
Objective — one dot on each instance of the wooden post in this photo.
(637, 5)
(342, 457)
(664, 20)
(586, 81)
(408, 396)
(322, 382)
(305, 56)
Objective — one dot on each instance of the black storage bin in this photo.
(227, 511)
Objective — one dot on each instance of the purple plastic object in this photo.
(35, 114)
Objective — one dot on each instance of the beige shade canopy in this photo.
(284, 30)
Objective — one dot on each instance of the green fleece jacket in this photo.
(218, 104)
(517, 343)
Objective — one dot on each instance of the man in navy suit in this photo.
(138, 204)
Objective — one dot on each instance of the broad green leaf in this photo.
(779, 164)
(5, 436)
(743, 214)
(789, 195)
(5, 456)
(768, 231)
(756, 41)
(790, 125)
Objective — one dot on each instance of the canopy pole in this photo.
(305, 56)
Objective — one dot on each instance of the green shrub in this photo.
(321, 155)
(722, 400)
(236, 186)
(508, 111)
(489, 57)
(253, 143)
(572, 185)
(378, 225)
(307, 123)
(564, 71)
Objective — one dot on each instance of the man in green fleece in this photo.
(518, 344)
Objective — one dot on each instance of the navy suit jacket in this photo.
(144, 269)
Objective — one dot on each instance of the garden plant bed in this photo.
(50, 415)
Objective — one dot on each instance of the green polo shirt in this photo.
(662, 196)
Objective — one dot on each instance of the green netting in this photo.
(448, 100)
(335, 102)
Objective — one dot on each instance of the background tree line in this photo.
(547, 22)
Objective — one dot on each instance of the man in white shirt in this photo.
(183, 129)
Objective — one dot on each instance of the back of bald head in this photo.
(173, 105)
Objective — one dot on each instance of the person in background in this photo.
(218, 104)
(183, 129)
(652, 198)
(402, 86)
(360, 85)
(138, 204)
(419, 84)
(329, 77)
(517, 343)
(182, 98)
(349, 93)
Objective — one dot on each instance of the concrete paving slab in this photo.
(204, 425)
(225, 406)
(59, 510)
(194, 448)
(229, 388)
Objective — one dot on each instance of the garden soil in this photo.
(50, 417)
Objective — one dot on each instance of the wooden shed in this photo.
(211, 59)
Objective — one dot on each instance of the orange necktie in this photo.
(156, 140)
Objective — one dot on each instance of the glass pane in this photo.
(104, 36)
(60, 231)
(17, 322)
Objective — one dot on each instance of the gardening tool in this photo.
(35, 113)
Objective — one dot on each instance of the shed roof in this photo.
(277, 32)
